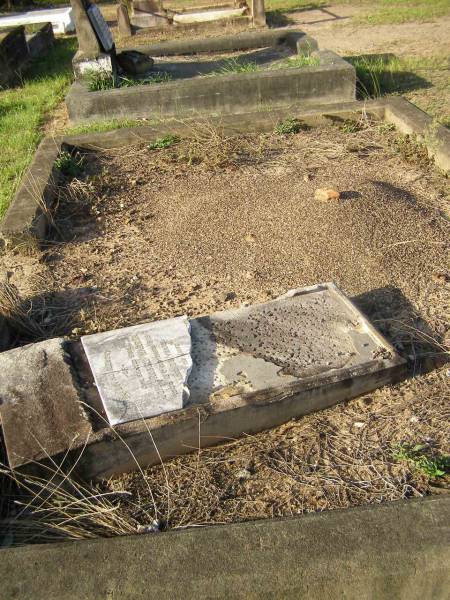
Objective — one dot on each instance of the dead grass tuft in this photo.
(19, 313)
(36, 318)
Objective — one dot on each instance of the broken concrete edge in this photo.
(54, 425)
(333, 80)
(392, 550)
(295, 39)
(25, 220)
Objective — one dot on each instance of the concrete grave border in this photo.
(29, 214)
(333, 80)
(393, 550)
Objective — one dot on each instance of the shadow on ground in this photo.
(282, 18)
(379, 74)
(396, 318)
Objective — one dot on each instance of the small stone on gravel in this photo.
(324, 195)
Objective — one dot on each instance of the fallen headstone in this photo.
(164, 386)
(141, 371)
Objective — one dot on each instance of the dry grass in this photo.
(36, 318)
(344, 456)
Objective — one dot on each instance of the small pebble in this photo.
(324, 195)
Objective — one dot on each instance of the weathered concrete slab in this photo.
(252, 369)
(394, 550)
(40, 405)
(141, 371)
(303, 334)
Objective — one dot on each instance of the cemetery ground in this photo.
(151, 231)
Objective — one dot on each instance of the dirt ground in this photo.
(214, 223)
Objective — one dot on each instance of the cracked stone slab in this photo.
(141, 371)
(40, 404)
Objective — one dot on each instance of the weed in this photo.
(289, 126)
(350, 126)
(412, 150)
(379, 74)
(431, 466)
(100, 80)
(233, 66)
(298, 62)
(385, 127)
(157, 77)
(164, 142)
(69, 164)
(104, 80)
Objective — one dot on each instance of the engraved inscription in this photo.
(141, 371)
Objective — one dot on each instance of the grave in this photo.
(60, 18)
(180, 87)
(152, 14)
(236, 372)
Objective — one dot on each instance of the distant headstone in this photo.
(40, 42)
(149, 13)
(258, 13)
(146, 6)
(123, 20)
(141, 371)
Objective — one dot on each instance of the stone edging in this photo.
(393, 550)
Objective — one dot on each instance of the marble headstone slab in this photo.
(100, 27)
(141, 371)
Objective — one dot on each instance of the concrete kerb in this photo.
(296, 40)
(27, 218)
(394, 550)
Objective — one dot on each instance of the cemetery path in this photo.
(334, 28)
